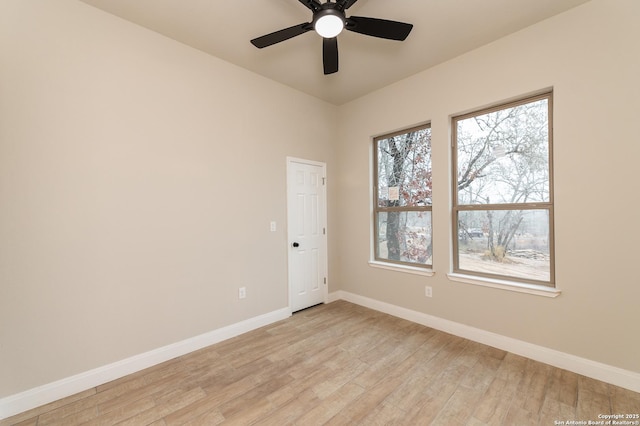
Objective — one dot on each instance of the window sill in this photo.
(537, 290)
(401, 268)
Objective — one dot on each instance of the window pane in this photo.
(503, 156)
(513, 243)
(404, 237)
(404, 169)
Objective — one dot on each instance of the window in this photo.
(502, 186)
(402, 197)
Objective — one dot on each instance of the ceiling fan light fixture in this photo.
(329, 20)
(328, 23)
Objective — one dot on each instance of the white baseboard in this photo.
(21, 402)
(45, 394)
(596, 370)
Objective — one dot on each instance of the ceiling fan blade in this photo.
(314, 5)
(330, 55)
(282, 35)
(345, 4)
(381, 28)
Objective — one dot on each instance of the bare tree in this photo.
(404, 166)
(503, 159)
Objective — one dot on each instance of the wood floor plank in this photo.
(77, 412)
(397, 366)
(311, 361)
(210, 418)
(459, 407)
(290, 411)
(164, 406)
(253, 396)
(36, 412)
(387, 414)
(153, 390)
(529, 395)
(554, 410)
(123, 411)
(28, 422)
(624, 401)
(482, 373)
(443, 368)
(196, 412)
(493, 405)
(341, 364)
(331, 405)
(591, 404)
(251, 414)
(519, 416)
(560, 397)
(426, 405)
(504, 392)
(360, 408)
(566, 389)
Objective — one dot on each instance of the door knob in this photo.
(296, 245)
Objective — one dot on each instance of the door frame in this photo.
(324, 246)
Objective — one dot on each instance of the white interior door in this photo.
(306, 208)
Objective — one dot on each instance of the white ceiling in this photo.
(443, 29)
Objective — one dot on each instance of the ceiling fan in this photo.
(329, 19)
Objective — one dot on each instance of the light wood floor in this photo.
(341, 364)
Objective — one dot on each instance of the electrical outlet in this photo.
(273, 226)
(428, 291)
(242, 292)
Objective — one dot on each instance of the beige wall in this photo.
(590, 56)
(138, 178)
